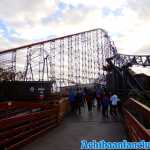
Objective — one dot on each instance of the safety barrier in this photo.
(18, 129)
(137, 120)
(63, 109)
(63, 106)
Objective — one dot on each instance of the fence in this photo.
(137, 120)
(21, 122)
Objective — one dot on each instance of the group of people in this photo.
(106, 102)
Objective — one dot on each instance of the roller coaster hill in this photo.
(35, 78)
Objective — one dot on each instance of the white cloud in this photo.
(129, 27)
(24, 17)
(112, 4)
(139, 69)
(141, 7)
(26, 10)
(4, 42)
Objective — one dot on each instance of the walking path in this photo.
(74, 128)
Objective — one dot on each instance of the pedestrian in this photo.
(72, 99)
(89, 99)
(98, 99)
(105, 103)
(79, 100)
(84, 95)
(114, 103)
(110, 104)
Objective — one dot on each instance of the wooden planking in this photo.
(17, 130)
(135, 129)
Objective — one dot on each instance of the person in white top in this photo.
(114, 102)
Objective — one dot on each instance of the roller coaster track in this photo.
(120, 63)
(140, 60)
(77, 58)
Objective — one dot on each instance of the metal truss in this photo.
(123, 60)
(73, 59)
(122, 77)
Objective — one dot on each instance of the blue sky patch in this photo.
(8, 32)
(107, 11)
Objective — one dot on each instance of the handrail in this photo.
(138, 106)
(21, 104)
(134, 113)
(20, 129)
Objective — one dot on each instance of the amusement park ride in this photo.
(35, 71)
(70, 60)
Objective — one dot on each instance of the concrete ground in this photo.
(74, 128)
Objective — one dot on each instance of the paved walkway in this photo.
(74, 128)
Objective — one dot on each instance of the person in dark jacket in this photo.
(98, 98)
(89, 98)
(79, 100)
(105, 103)
(72, 99)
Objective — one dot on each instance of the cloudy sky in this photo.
(27, 21)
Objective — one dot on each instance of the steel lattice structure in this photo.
(73, 59)
(122, 60)
(122, 78)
